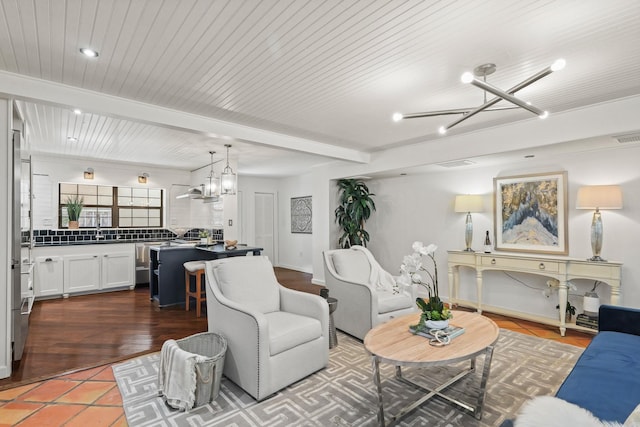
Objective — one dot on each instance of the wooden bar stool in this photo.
(196, 269)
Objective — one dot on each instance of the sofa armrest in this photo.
(619, 319)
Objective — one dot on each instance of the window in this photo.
(97, 205)
(139, 207)
(108, 206)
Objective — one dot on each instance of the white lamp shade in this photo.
(469, 203)
(599, 197)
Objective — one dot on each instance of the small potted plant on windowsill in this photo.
(74, 208)
(204, 237)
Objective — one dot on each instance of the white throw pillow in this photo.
(549, 411)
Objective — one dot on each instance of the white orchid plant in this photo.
(413, 270)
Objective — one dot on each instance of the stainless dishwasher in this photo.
(142, 261)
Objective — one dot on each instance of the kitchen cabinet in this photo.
(118, 270)
(84, 268)
(81, 273)
(48, 275)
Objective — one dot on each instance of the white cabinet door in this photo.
(81, 273)
(48, 276)
(117, 270)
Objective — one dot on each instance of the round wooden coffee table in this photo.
(391, 342)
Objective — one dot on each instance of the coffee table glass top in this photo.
(392, 342)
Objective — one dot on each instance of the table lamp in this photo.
(468, 203)
(598, 197)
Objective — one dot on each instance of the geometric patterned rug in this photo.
(343, 394)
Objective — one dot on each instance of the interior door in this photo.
(265, 224)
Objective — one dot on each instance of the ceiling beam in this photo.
(42, 91)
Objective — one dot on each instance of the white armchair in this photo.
(350, 275)
(275, 336)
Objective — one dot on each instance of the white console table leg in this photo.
(563, 294)
(615, 292)
(479, 286)
(454, 280)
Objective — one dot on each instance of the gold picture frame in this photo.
(531, 213)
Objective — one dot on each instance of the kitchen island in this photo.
(166, 278)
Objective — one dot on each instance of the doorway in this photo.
(265, 224)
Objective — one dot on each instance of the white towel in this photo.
(381, 279)
(177, 378)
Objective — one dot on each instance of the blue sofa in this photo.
(606, 378)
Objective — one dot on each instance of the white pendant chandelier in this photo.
(483, 71)
(228, 178)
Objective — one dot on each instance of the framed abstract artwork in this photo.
(531, 213)
(301, 215)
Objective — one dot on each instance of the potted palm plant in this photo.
(356, 206)
(74, 208)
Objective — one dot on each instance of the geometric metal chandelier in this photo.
(483, 71)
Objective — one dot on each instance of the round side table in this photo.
(333, 338)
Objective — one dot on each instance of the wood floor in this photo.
(91, 330)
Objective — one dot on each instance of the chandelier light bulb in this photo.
(397, 117)
(467, 77)
(558, 64)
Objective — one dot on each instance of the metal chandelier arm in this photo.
(451, 112)
(507, 97)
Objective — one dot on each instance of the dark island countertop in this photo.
(238, 250)
(167, 278)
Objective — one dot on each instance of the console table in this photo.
(562, 269)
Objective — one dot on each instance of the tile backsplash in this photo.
(113, 235)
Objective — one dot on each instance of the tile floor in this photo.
(91, 398)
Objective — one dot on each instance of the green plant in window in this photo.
(74, 207)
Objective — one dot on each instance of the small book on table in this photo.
(451, 331)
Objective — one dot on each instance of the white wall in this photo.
(295, 250)
(420, 207)
(54, 169)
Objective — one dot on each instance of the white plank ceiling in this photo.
(330, 71)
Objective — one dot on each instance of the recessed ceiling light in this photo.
(89, 52)
(529, 156)
(72, 139)
(77, 111)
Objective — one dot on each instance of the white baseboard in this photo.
(296, 268)
(5, 372)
